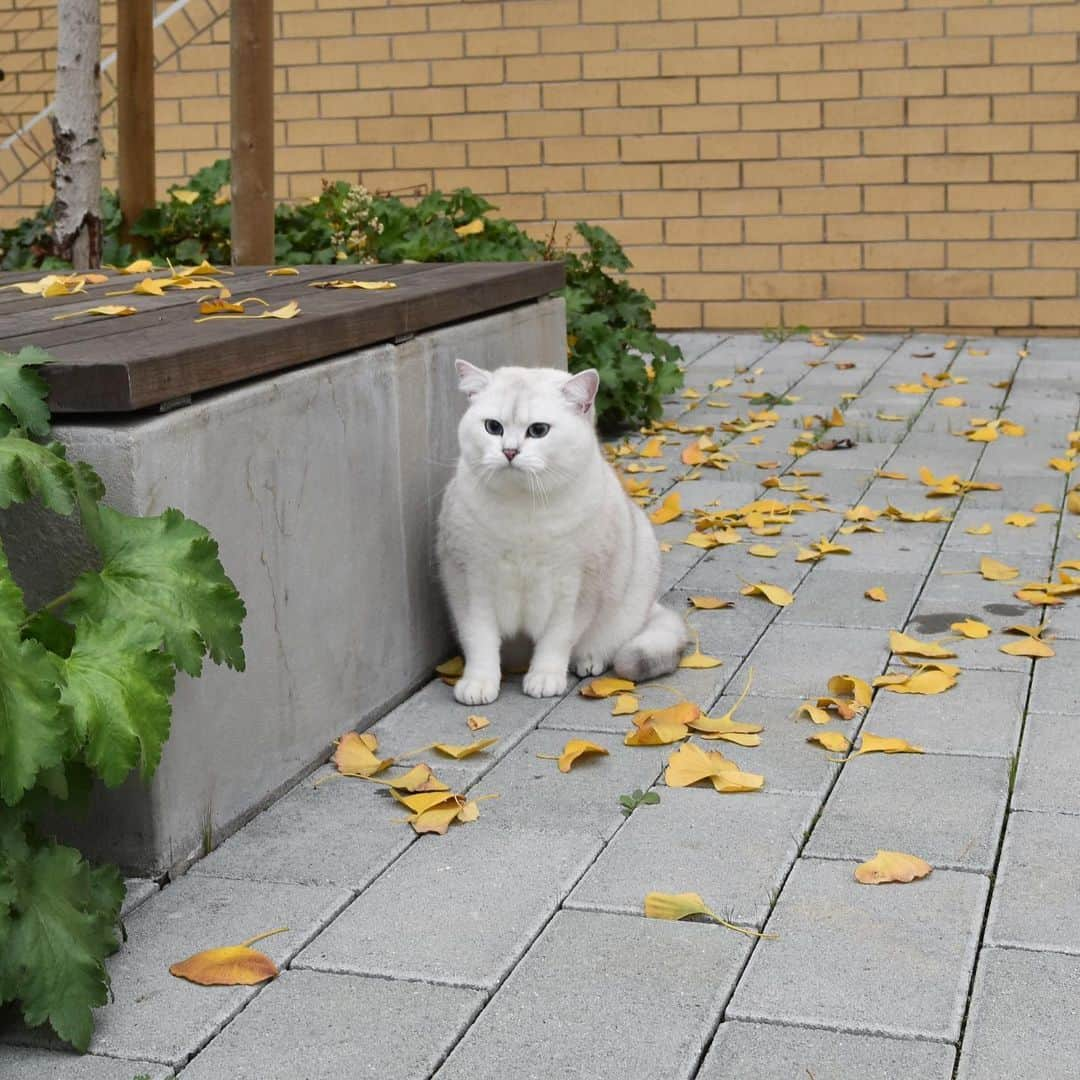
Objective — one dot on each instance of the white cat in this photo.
(538, 538)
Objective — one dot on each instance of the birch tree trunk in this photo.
(76, 133)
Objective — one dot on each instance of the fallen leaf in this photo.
(574, 749)
(877, 593)
(1063, 465)
(658, 734)
(184, 195)
(762, 551)
(834, 741)
(951, 402)
(106, 310)
(472, 228)
(212, 307)
(854, 687)
(351, 283)
(1044, 508)
(816, 713)
(453, 668)
(669, 510)
(283, 271)
(971, 628)
(418, 778)
(1034, 647)
(286, 311)
(928, 680)
(910, 388)
(773, 593)
(879, 744)
(477, 723)
(50, 285)
(909, 646)
(459, 752)
(355, 755)
(883, 475)
(233, 965)
(1072, 501)
(605, 687)
(698, 659)
(1021, 521)
(992, 570)
(139, 266)
(887, 867)
(690, 764)
(652, 448)
(977, 352)
(709, 603)
(980, 530)
(624, 705)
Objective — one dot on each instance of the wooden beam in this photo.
(135, 101)
(251, 49)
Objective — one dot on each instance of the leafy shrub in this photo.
(609, 322)
(85, 688)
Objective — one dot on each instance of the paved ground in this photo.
(516, 946)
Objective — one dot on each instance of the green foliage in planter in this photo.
(85, 689)
(609, 322)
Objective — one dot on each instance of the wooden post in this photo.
(135, 75)
(251, 49)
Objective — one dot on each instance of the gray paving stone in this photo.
(456, 918)
(902, 549)
(1046, 778)
(797, 661)
(311, 1024)
(1035, 902)
(534, 794)
(136, 891)
(1005, 538)
(735, 850)
(945, 809)
(975, 654)
(981, 715)
(605, 997)
(955, 579)
(1017, 496)
(1055, 686)
(849, 955)
(155, 1016)
(1024, 1018)
(726, 569)
(300, 838)
(32, 1063)
(772, 1051)
(838, 598)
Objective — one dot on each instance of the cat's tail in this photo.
(656, 648)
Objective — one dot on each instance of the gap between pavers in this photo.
(1046, 777)
(30, 1063)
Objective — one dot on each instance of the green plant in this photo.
(85, 688)
(781, 333)
(637, 798)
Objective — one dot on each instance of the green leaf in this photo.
(59, 929)
(23, 391)
(625, 800)
(117, 683)
(33, 729)
(165, 571)
(56, 635)
(651, 799)
(29, 468)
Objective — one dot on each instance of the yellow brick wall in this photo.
(873, 163)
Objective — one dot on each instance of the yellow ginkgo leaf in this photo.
(453, 668)
(139, 266)
(184, 195)
(909, 646)
(477, 723)
(887, 867)
(1023, 628)
(817, 713)
(773, 593)
(106, 310)
(438, 819)
(927, 681)
(1034, 647)
(910, 388)
(1064, 465)
(669, 510)
(992, 570)
(685, 712)
(878, 593)
(233, 965)
(1072, 501)
(1021, 521)
(762, 551)
(709, 603)
(459, 752)
(283, 271)
(624, 705)
(574, 749)
(652, 447)
(353, 283)
(355, 755)
(658, 734)
(286, 311)
(212, 307)
(418, 778)
(690, 764)
(951, 402)
(1043, 508)
(983, 434)
(422, 801)
(834, 741)
(850, 685)
(675, 906)
(879, 744)
(977, 352)
(980, 530)
(971, 628)
(473, 228)
(605, 687)
(698, 659)
(726, 727)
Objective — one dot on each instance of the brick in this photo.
(658, 92)
(320, 132)
(856, 227)
(1064, 78)
(430, 102)
(815, 28)
(429, 46)
(1032, 224)
(905, 256)
(658, 148)
(798, 233)
(948, 52)
(949, 168)
(323, 77)
(741, 257)
(937, 283)
(799, 256)
(830, 144)
(672, 204)
(739, 88)
(703, 231)
(395, 21)
(973, 110)
(992, 254)
(541, 68)
(996, 79)
(949, 226)
(501, 42)
(705, 287)
(582, 95)
(644, 121)
(359, 103)
(989, 139)
(1057, 137)
(785, 7)
(886, 197)
(505, 152)
(783, 286)
(1035, 108)
(903, 82)
(886, 112)
(621, 65)
(578, 39)
(1036, 49)
(1056, 196)
(623, 177)
(1056, 313)
(821, 200)
(865, 170)
(503, 98)
(781, 116)
(540, 13)
(788, 173)
(781, 58)
(546, 122)
(905, 141)
(378, 76)
(738, 146)
(865, 283)
(482, 126)
(694, 118)
(545, 178)
(490, 181)
(1035, 167)
(860, 55)
(1035, 283)
(905, 25)
(700, 61)
(704, 175)
(581, 148)
(1055, 20)
(619, 10)
(819, 86)
(661, 35)
(1056, 253)
(742, 314)
(1012, 20)
(743, 31)
(467, 72)
(741, 202)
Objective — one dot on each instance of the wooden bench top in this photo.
(122, 363)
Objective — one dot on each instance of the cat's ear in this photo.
(580, 390)
(471, 379)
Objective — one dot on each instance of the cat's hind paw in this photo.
(544, 683)
(471, 690)
(590, 665)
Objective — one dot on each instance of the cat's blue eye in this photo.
(493, 427)
(537, 431)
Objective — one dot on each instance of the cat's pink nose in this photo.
(509, 454)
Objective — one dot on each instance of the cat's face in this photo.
(526, 429)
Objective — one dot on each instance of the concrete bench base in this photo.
(322, 486)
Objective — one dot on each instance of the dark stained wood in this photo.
(160, 353)
(135, 110)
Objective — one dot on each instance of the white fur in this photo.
(547, 545)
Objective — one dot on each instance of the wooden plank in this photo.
(251, 97)
(135, 111)
(151, 363)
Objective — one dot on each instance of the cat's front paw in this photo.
(544, 683)
(476, 690)
(590, 665)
